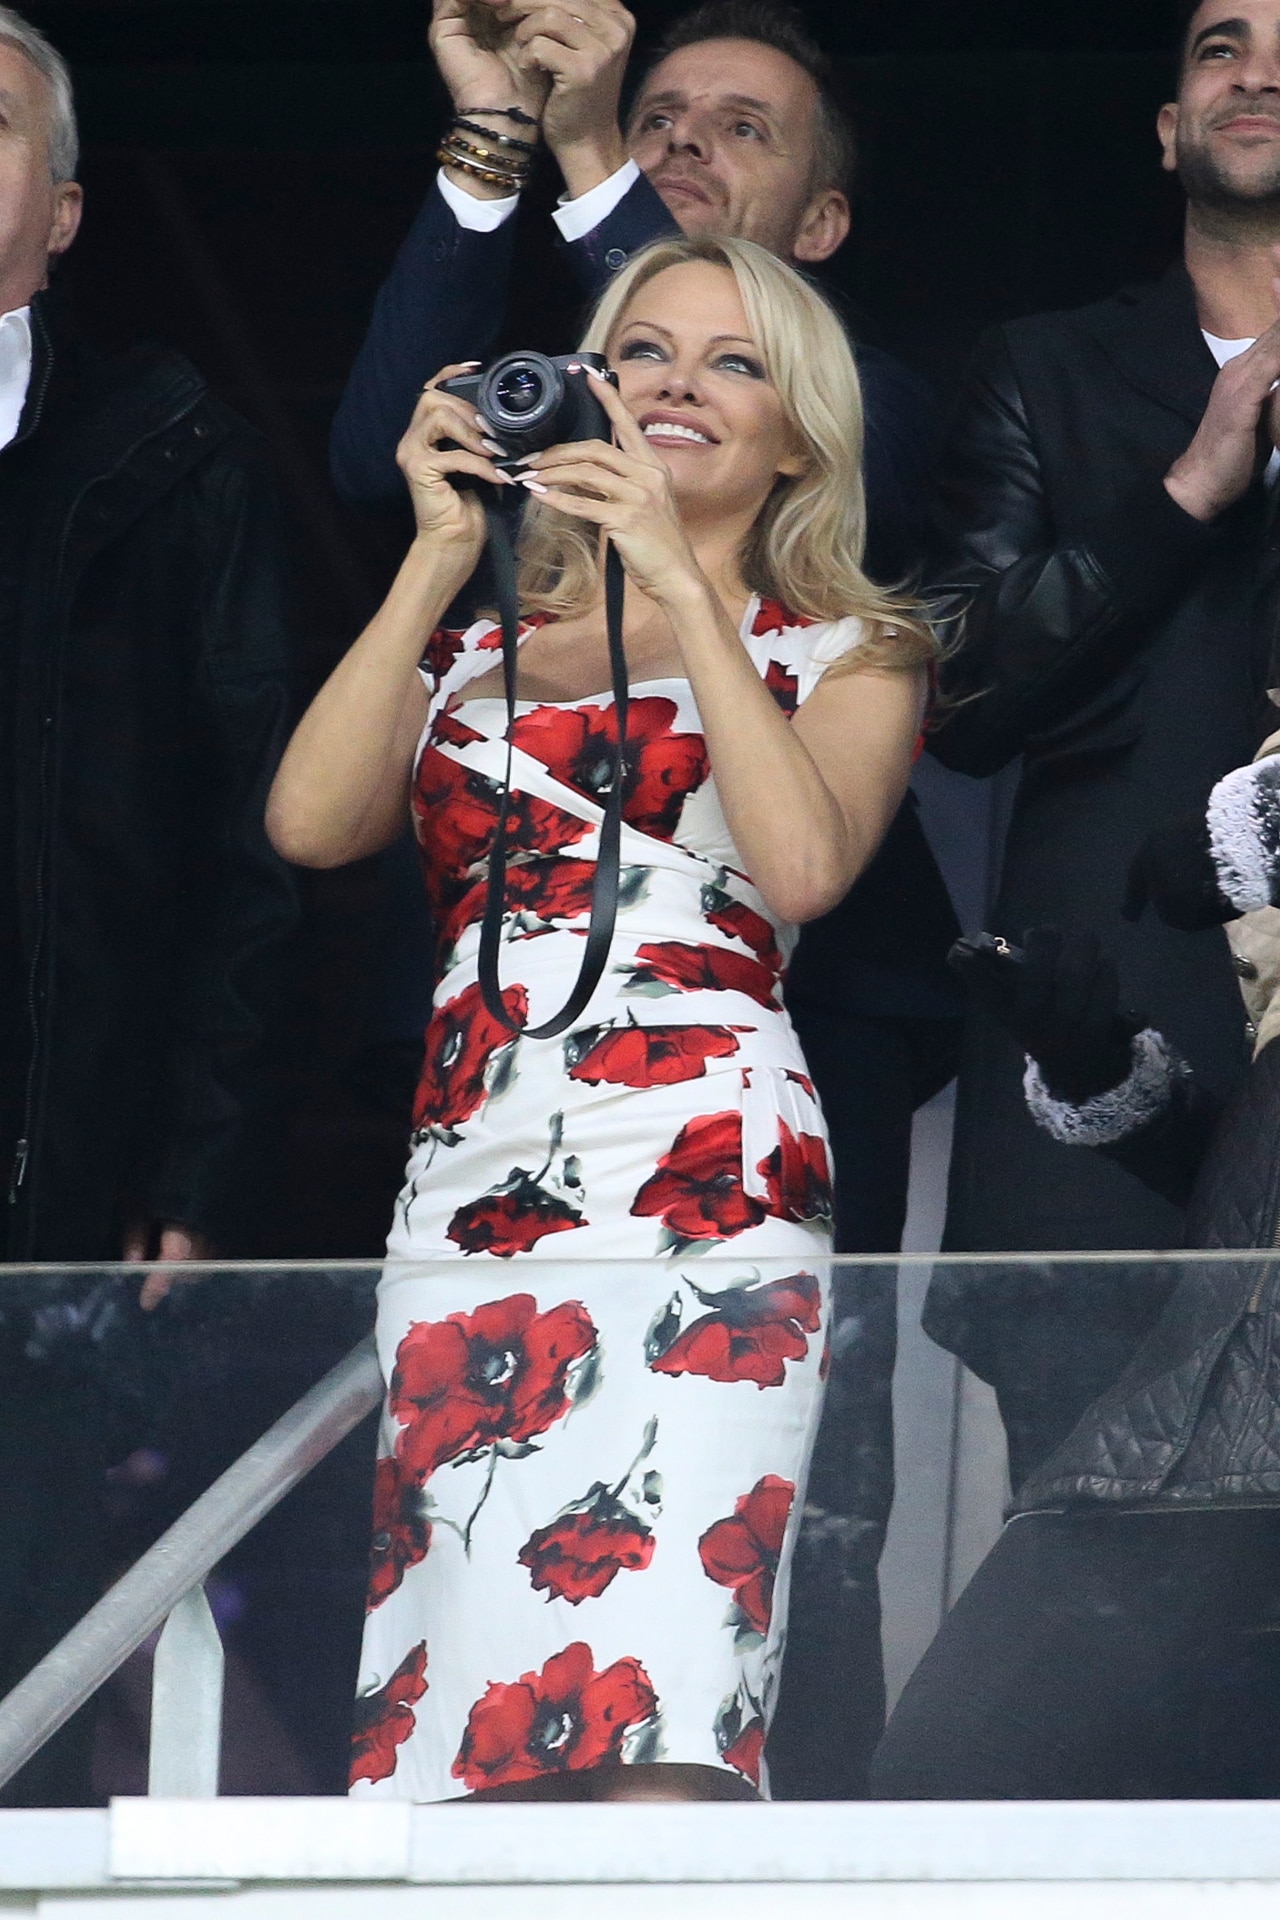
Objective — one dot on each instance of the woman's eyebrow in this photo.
(716, 340)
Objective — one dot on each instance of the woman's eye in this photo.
(741, 363)
(654, 121)
(1218, 49)
(641, 350)
(746, 130)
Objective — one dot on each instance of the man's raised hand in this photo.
(480, 76)
(580, 47)
(1239, 431)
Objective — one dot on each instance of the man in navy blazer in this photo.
(684, 162)
(734, 129)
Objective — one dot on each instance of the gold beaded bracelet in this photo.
(490, 175)
(501, 162)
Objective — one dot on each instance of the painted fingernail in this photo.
(597, 375)
(526, 459)
(491, 446)
(481, 421)
(534, 486)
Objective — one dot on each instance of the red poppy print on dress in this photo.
(447, 730)
(675, 966)
(456, 811)
(565, 1719)
(697, 1190)
(784, 687)
(750, 1334)
(539, 893)
(442, 651)
(578, 1555)
(773, 617)
(551, 889)
(579, 746)
(501, 1373)
(384, 1719)
(596, 1538)
(463, 1042)
(635, 1056)
(746, 1752)
(797, 1176)
(742, 1552)
(401, 1529)
(740, 1731)
(743, 923)
(513, 1219)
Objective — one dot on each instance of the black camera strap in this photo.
(604, 890)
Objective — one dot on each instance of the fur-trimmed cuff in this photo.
(1244, 834)
(1104, 1118)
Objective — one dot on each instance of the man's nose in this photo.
(1258, 72)
(691, 134)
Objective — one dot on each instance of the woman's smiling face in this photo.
(693, 378)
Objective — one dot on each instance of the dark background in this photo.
(250, 167)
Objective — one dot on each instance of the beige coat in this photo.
(1255, 950)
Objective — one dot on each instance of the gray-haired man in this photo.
(143, 700)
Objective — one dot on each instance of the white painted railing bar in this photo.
(186, 1703)
(180, 1560)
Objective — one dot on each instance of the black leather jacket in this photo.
(147, 671)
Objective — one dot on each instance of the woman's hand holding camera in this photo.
(446, 513)
(626, 491)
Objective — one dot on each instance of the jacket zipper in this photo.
(22, 1149)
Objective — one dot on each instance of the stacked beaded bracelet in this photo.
(499, 159)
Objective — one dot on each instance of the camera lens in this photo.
(520, 391)
(520, 396)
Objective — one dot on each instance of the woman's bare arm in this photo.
(342, 790)
(809, 800)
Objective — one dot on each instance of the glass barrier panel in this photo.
(1039, 1530)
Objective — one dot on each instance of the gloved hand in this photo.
(1060, 999)
(1174, 871)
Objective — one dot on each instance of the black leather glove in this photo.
(1059, 996)
(1174, 872)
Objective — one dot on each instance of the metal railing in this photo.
(166, 1585)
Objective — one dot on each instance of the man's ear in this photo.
(823, 227)
(1167, 129)
(68, 205)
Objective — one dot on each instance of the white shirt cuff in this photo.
(578, 217)
(480, 216)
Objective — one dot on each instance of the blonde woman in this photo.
(590, 1478)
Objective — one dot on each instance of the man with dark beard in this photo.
(1106, 522)
(1119, 1641)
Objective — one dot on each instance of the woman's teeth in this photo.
(668, 430)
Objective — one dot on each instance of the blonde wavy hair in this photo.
(807, 543)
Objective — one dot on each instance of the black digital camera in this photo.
(529, 402)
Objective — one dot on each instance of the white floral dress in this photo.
(591, 1464)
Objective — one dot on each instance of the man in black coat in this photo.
(144, 701)
(1107, 521)
(734, 129)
